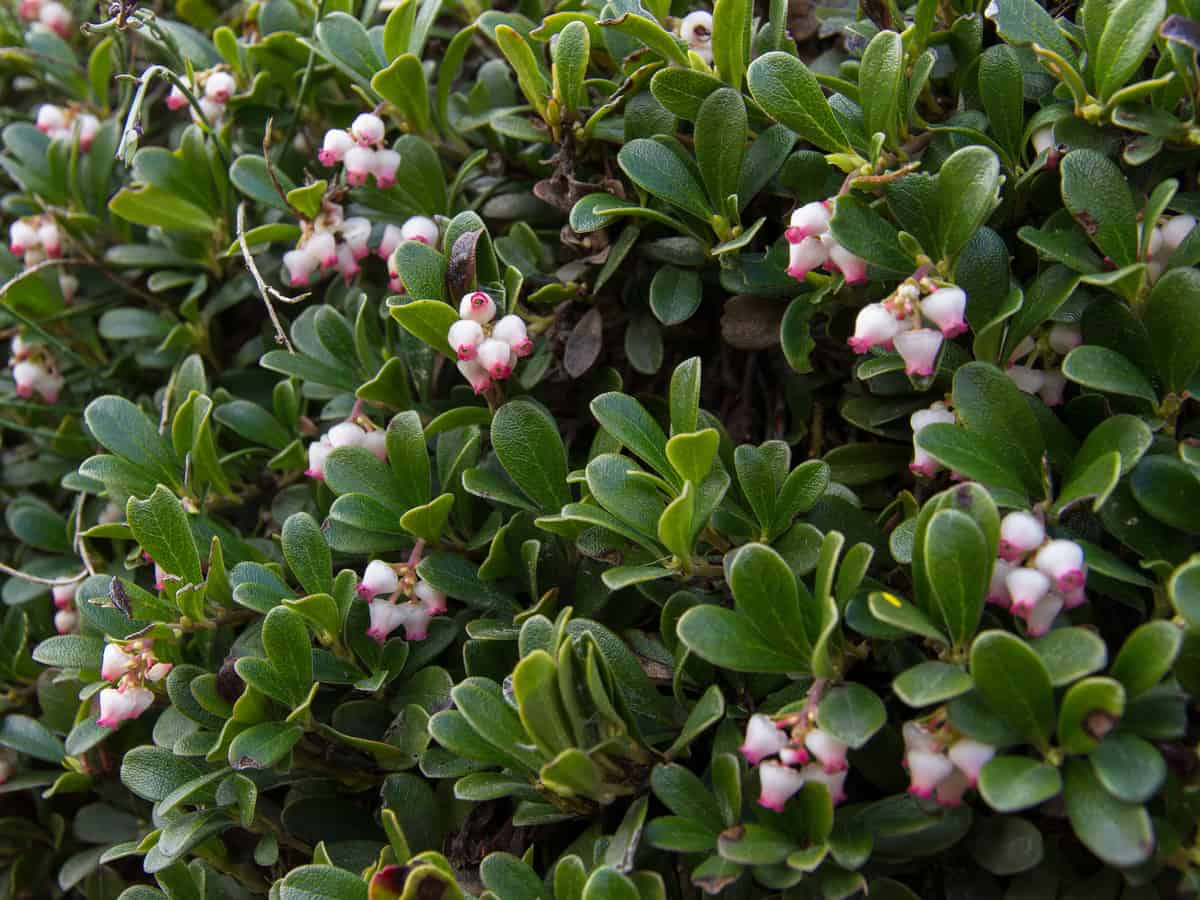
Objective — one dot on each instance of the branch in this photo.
(265, 290)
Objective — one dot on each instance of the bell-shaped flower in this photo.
(115, 662)
(318, 452)
(917, 737)
(778, 784)
(385, 617)
(853, 268)
(176, 99)
(158, 671)
(50, 119)
(834, 781)
(1020, 534)
(346, 434)
(299, 265)
(497, 359)
(875, 326)
(827, 750)
(809, 220)
(27, 375)
(511, 329)
(376, 443)
(1062, 561)
(476, 374)
(384, 168)
(806, 255)
(950, 790)
(763, 738)
(477, 306)
(336, 144)
(50, 385)
(970, 756)
(57, 18)
(1074, 599)
(946, 307)
(464, 338)
(121, 704)
(51, 239)
(323, 245)
(356, 235)
(919, 349)
(393, 235)
(792, 755)
(432, 600)
(1026, 378)
(378, 578)
(416, 621)
(347, 265)
(1040, 617)
(421, 229)
(63, 595)
(219, 87)
(1026, 587)
(923, 464)
(1176, 229)
(1064, 337)
(367, 129)
(21, 237)
(360, 164)
(89, 125)
(65, 621)
(926, 770)
(696, 30)
(1054, 385)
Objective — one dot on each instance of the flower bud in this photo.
(1026, 587)
(347, 265)
(696, 30)
(385, 617)
(806, 255)
(1062, 561)
(356, 233)
(475, 374)
(384, 168)
(323, 246)
(828, 750)
(299, 265)
(421, 229)
(853, 269)
(763, 738)
(57, 18)
(511, 329)
(346, 434)
(1040, 617)
(875, 326)
(392, 236)
(51, 119)
(779, 784)
(926, 770)
(65, 621)
(115, 662)
(219, 87)
(63, 596)
(176, 99)
(51, 239)
(376, 443)
(464, 338)
(21, 237)
(1064, 337)
(28, 376)
(833, 781)
(477, 306)
(158, 671)
(946, 308)
(29, 9)
(1176, 229)
(318, 452)
(919, 349)
(432, 600)
(378, 578)
(970, 756)
(334, 146)
(367, 129)
(811, 219)
(1020, 533)
(118, 705)
(497, 359)
(360, 162)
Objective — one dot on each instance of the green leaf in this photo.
(648, 32)
(325, 883)
(1172, 318)
(483, 705)
(125, 430)
(427, 320)
(869, 235)
(1107, 370)
(571, 55)
(881, 85)
(1097, 195)
(629, 422)
(991, 406)
(968, 189)
(789, 93)
(1014, 683)
(403, 85)
(1168, 489)
(307, 554)
(851, 713)
(529, 75)
(1127, 37)
(145, 204)
(720, 140)
(1119, 833)
(675, 525)
(675, 294)
(1006, 845)
(423, 270)
(526, 440)
(931, 682)
(1147, 656)
(730, 641)
(900, 614)
(1002, 89)
(31, 737)
(344, 42)
(161, 526)
(681, 91)
(1183, 587)
(658, 170)
(70, 651)
(731, 39)
(1025, 22)
(1128, 767)
(971, 455)
(959, 568)
(1071, 653)
(1013, 783)
(429, 520)
(263, 745)
(286, 674)
(535, 686)
(1087, 705)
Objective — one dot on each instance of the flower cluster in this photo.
(1165, 239)
(806, 754)
(66, 619)
(942, 766)
(899, 323)
(696, 31)
(360, 149)
(344, 434)
(812, 245)
(487, 351)
(1033, 577)
(35, 239)
(34, 370)
(129, 666)
(923, 464)
(383, 586)
(61, 121)
(217, 86)
(52, 15)
(1049, 383)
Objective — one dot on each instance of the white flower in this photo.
(950, 790)
(497, 359)
(318, 452)
(853, 268)
(809, 220)
(917, 737)
(51, 119)
(464, 338)
(924, 464)
(63, 595)
(1043, 140)
(970, 756)
(432, 600)
(115, 662)
(385, 618)
(779, 784)
(51, 239)
(1064, 337)
(696, 30)
(1026, 378)
(323, 246)
(378, 578)
(392, 236)
(919, 349)
(118, 705)
(946, 307)
(346, 434)
(1020, 533)
(1054, 385)
(384, 168)
(65, 621)
(511, 329)
(477, 306)
(21, 237)
(27, 375)
(1026, 587)
(1062, 561)
(1040, 617)
(57, 18)
(158, 671)
(376, 443)
(926, 770)
(834, 781)
(336, 143)
(360, 163)
(367, 129)
(356, 233)
(763, 738)
(1174, 231)
(828, 750)
(347, 265)
(421, 229)
(806, 255)
(219, 87)
(475, 374)
(299, 265)
(875, 326)
(998, 587)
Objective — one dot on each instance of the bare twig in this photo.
(49, 582)
(265, 290)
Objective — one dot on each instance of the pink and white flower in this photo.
(834, 781)
(853, 268)
(323, 246)
(65, 621)
(1020, 534)
(1040, 617)
(176, 99)
(1064, 337)
(63, 596)
(432, 600)
(1062, 561)
(778, 785)
(121, 704)
(385, 618)
(946, 307)
(809, 220)
(805, 256)
(464, 338)
(384, 168)
(970, 756)
(219, 87)
(875, 326)
(919, 349)
(393, 235)
(22, 236)
(356, 235)
(116, 662)
(1026, 587)
(923, 464)
(376, 443)
(475, 374)
(827, 750)
(696, 30)
(997, 593)
(926, 770)
(334, 146)
(763, 738)
(478, 307)
(497, 359)
(378, 578)
(367, 129)
(421, 229)
(299, 265)
(346, 434)
(512, 331)
(360, 164)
